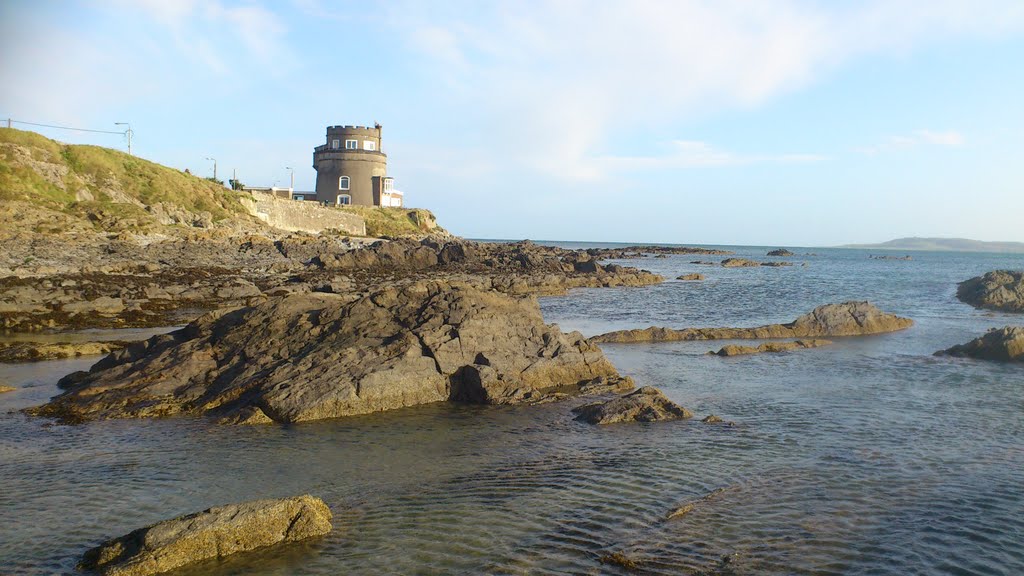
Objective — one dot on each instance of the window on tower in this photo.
(343, 183)
(351, 144)
(335, 144)
(369, 145)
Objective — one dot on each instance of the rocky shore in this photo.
(1001, 290)
(134, 281)
(319, 355)
(830, 320)
(1004, 344)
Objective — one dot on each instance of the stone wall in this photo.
(300, 216)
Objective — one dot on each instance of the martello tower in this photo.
(350, 167)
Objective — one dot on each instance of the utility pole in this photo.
(8, 122)
(127, 133)
(292, 170)
(214, 167)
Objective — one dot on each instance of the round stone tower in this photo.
(350, 168)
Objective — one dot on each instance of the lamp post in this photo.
(127, 133)
(214, 167)
(292, 171)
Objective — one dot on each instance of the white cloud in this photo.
(694, 154)
(557, 83)
(950, 138)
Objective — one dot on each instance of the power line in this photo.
(9, 121)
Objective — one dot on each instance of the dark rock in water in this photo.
(781, 252)
(1005, 344)
(621, 560)
(214, 533)
(739, 263)
(647, 404)
(846, 319)
(711, 419)
(997, 290)
(776, 264)
(316, 355)
(690, 277)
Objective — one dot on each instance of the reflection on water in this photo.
(870, 456)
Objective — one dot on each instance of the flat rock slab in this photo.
(769, 347)
(1004, 344)
(830, 320)
(647, 404)
(313, 356)
(214, 533)
(997, 290)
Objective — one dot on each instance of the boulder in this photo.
(772, 347)
(316, 355)
(997, 290)
(690, 277)
(646, 404)
(1005, 344)
(830, 320)
(213, 533)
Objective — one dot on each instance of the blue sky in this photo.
(731, 122)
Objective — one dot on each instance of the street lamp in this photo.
(292, 170)
(214, 167)
(127, 133)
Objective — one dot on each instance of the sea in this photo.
(870, 456)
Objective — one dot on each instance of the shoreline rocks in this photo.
(15, 352)
(313, 356)
(1004, 344)
(1001, 290)
(769, 347)
(213, 533)
(647, 404)
(830, 320)
(781, 252)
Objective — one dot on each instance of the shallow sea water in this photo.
(867, 457)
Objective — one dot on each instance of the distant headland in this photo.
(944, 245)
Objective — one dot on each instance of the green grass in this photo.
(395, 221)
(106, 174)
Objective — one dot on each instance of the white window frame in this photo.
(351, 144)
(335, 144)
(344, 183)
(369, 145)
(347, 197)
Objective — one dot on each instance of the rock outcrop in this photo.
(830, 320)
(739, 263)
(312, 356)
(781, 252)
(997, 290)
(690, 277)
(648, 404)
(4, 388)
(11, 352)
(1005, 344)
(772, 347)
(214, 533)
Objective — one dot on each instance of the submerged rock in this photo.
(213, 533)
(1006, 344)
(690, 277)
(997, 290)
(781, 252)
(647, 404)
(772, 347)
(712, 419)
(312, 356)
(830, 320)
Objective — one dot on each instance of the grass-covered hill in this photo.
(49, 187)
(105, 188)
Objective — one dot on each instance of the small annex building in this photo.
(351, 168)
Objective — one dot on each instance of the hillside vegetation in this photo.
(49, 187)
(396, 221)
(108, 188)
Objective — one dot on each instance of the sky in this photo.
(783, 122)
